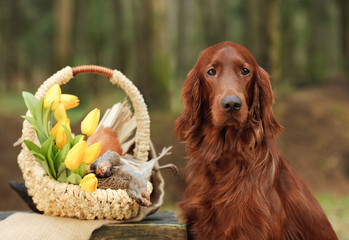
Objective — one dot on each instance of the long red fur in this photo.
(237, 184)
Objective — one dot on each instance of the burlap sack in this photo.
(33, 226)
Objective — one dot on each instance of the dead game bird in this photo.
(127, 172)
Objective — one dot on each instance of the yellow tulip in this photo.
(89, 183)
(76, 156)
(65, 122)
(90, 122)
(61, 138)
(92, 152)
(81, 138)
(69, 101)
(60, 112)
(53, 95)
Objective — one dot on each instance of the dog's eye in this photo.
(211, 72)
(245, 71)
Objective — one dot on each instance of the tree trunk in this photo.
(275, 40)
(252, 35)
(183, 39)
(151, 52)
(214, 18)
(142, 46)
(121, 36)
(12, 25)
(317, 42)
(344, 29)
(64, 22)
(160, 68)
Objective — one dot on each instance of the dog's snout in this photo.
(231, 103)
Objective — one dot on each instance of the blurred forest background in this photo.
(304, 45)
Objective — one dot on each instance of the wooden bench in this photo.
(161, 225)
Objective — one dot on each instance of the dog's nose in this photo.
(231, 103)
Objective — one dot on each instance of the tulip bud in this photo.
(90, 122)
(61, 138)
(89, 183)
(60, 112)
(81, 138)
(75, 156)
(92, 152)
(53, 95)
(65, 122)
(69, 101)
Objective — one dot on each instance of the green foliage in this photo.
(37, 128)
(337, 211)
(59, 158)
(50, 158)
(76, 139)
(80, 171)
(73, 178)
(46, 150)
(70, 139)
(40, 119)
(30, 101)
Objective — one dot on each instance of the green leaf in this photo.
(74, 178)
(41, 135)
(66, 175)
(46, 150)
(32, 121)
(63, 173)
(60, 157)
(39, 156)
(39, 110)
(45, 146)
(30, 101)
(32, 146)
(43, 163)
(62, 169)
(45, 119)
(50, 122)
(68, 133)
(55, 150)
(81, 170)
(62, 177)
(50, 160)
(76, 139)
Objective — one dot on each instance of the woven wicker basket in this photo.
(68, 200)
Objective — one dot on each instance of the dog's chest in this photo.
(229, 186)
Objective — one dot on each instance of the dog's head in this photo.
(227, 88)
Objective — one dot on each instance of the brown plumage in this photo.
(237, 184)
(113, 182)
(109, 139)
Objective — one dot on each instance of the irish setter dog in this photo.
(237, 184)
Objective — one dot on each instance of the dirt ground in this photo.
(316, 136)
(315, 141)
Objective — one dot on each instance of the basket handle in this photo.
(142, 138)
(92, 69)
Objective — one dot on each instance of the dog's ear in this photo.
(261, 109)
(192, 98)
